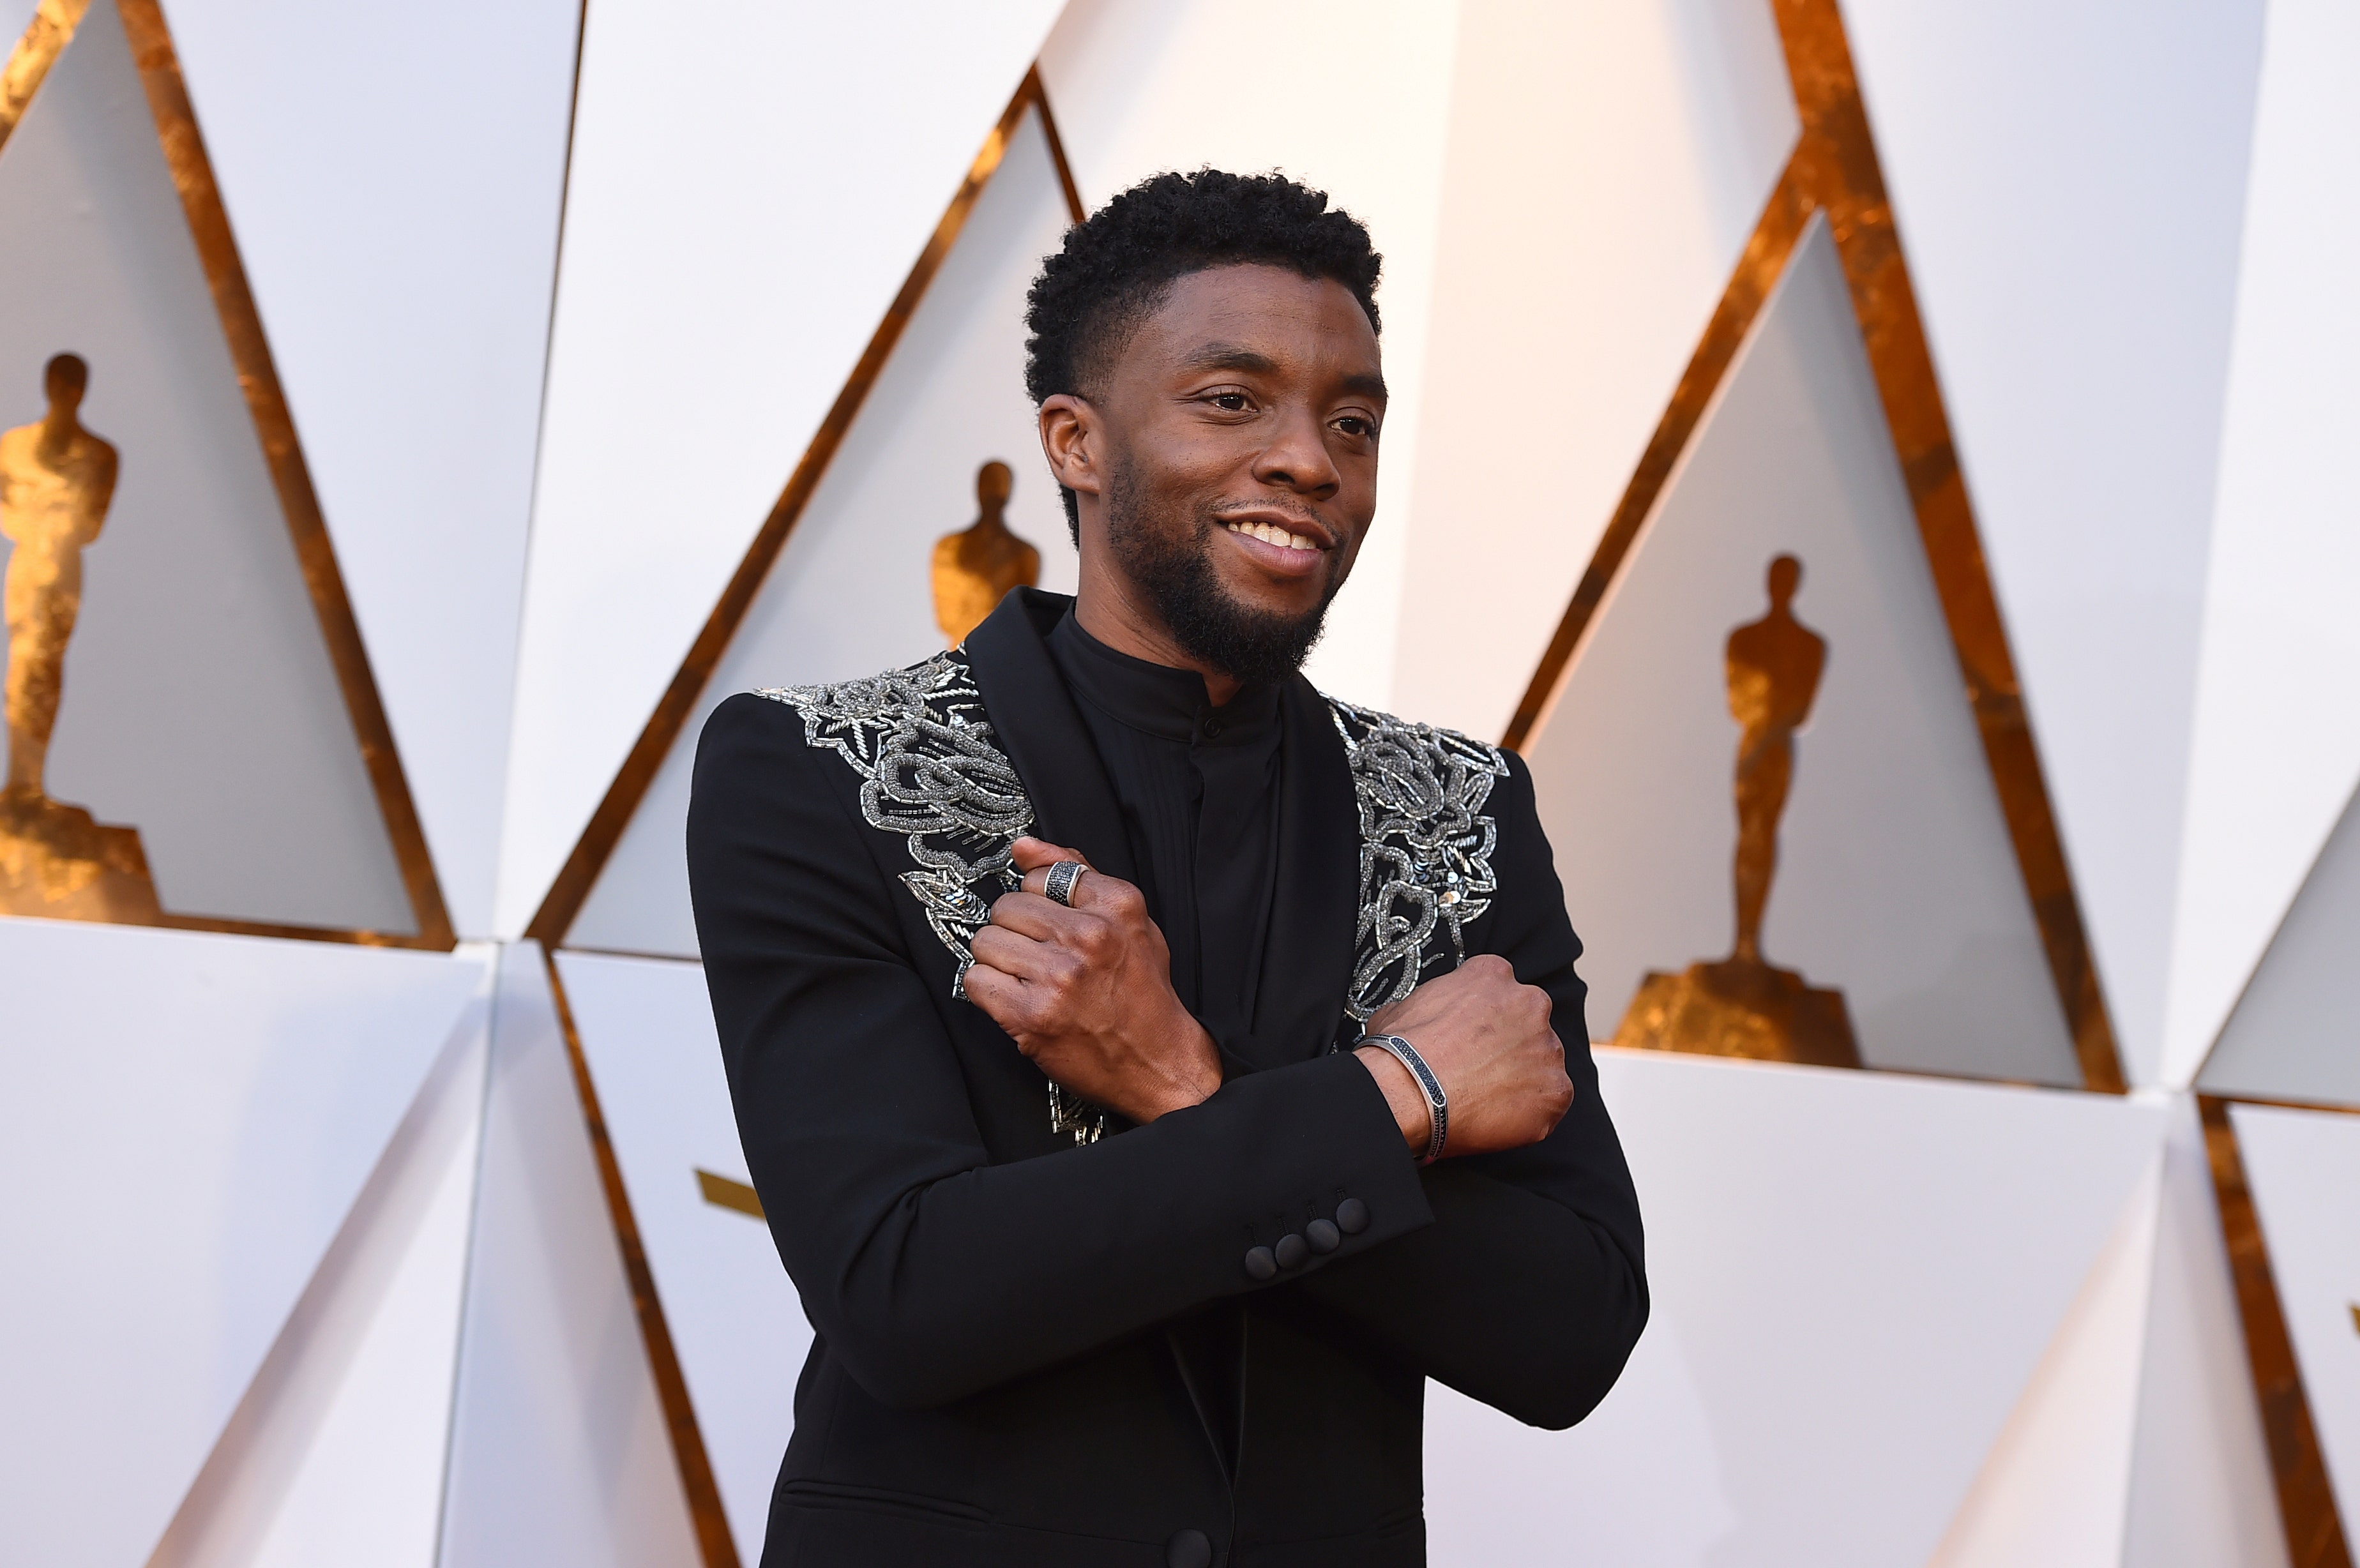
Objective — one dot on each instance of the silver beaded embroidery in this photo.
(930, 772)
(1425, 848)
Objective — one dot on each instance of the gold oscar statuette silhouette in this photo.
(56, 480)
(975, 567)
(1741, 1004)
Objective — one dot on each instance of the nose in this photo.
(1297, 459)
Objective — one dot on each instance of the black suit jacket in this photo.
(994, 1379)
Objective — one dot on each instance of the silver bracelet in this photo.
(1438, 1106)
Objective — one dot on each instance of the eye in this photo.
(1230, 402)
(1357, 426)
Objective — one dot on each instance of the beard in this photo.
(1169, 562)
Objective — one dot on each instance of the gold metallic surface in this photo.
(44, 39)
(2314, 1530)
(723, 1192)
(1743, 1004)
(715, 1543)
(57, 480)
(1834, 171)
(580, 873)
(975, 567)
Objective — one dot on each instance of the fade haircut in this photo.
(1118, 267)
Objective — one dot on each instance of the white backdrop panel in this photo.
(2053, 1489)
(2067, 181)
(179, 1150)
(749, 185)
(1853, 1276)
(734, 1318)
(2200, 1492)
(1896, 880)
(199, 704)
(2303, 1168)
(335, 1455)
(2293, 1036)
(559, 1453)
(1140, 86)
(394, 182)
(852, 592)
(2277, 746)
(1606, 164)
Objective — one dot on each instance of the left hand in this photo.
(1086, 992)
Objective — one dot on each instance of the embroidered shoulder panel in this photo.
(1425, 848)
(931, 772)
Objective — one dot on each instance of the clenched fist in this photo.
(1086, 992)
(1489, 1039)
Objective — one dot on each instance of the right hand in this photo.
(1489, 1039)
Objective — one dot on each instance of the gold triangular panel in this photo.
(192, 736)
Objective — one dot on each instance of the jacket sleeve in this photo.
(1529, 1290)
(931, 1272)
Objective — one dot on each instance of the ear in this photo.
(1072, 439)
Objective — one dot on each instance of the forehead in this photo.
(1301, 323)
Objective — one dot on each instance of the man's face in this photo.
(1239, 428)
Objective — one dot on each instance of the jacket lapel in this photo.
(1034, 720)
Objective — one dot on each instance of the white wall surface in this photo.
(1839, 1335)
(2293, 1035)
(2200, 1492)
(2277, 744)
(852, 592)
(1896, 880)
(749, 189)
(1605, 165)
(2052, 1492)
(1140, 86)
(393, 177)
(558, 1451)
(335, 1455)
(2068, 182)
(177, 1152)
(2303, 1167)
(199, 704)
(736, 1319)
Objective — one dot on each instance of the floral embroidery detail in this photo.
(930, 772)
(1425, 848)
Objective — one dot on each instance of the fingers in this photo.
(1030, 854)
(1018, 956)
(1030, 914)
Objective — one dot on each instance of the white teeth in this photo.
(1271, 533)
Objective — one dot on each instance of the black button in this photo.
(1212, 729)
(1351, 1216)
(1291, 1251)
(1260, 1264)
(1322, 1236)
(1188, 1548)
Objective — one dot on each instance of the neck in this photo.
(1113, 611)
(58, 430)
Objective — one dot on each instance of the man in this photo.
(1042, 970)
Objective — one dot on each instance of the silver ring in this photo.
(1063, 876)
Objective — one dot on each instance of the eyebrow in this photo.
(1248, 362)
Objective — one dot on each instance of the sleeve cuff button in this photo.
(1351, 1216)
(1323, 1236)
(1260, 1264)
(1291, 1251)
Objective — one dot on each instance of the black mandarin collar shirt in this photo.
(1198, 786)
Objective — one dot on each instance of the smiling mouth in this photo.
(1272, 534)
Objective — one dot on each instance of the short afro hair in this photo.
(1118, 266)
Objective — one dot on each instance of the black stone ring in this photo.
(1063, 876)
